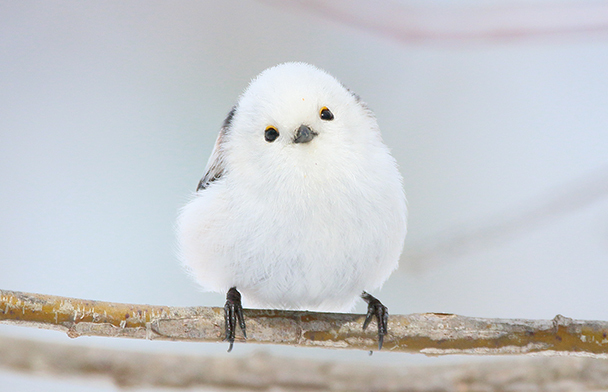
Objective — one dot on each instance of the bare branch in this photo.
(513, 221)
(428, 333)
(470, 23)
(262, 371)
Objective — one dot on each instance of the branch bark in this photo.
(264, 372)
(427, 333)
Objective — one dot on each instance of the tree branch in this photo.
(515, 220)
(411, 22)
(427, 333)
(263, 372)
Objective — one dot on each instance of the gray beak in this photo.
(304, 134)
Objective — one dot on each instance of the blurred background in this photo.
(497, 113)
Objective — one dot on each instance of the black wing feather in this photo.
(215, 166)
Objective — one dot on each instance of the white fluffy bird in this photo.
(302, 205)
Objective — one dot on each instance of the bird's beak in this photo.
(304, 134)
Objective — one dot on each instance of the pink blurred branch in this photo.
(413, 23)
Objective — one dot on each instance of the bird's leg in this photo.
(233, 312)
(375, 308)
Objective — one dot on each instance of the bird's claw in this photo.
(375, 308)
(233, 312)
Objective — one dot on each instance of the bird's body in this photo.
(302, 206)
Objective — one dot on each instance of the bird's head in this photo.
(296, 116)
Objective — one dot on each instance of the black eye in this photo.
(271, 134)
(325, 114)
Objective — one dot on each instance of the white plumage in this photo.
(296, 225)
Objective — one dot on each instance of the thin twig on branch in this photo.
(514, 221)
(427, 333)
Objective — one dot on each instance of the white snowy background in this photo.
(109, 110)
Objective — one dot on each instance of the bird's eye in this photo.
(271, 134)
(325, 114)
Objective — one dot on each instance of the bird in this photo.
(301, 206)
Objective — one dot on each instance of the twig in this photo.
(427, 333)
(512, 222)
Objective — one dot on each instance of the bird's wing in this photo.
(215, 165)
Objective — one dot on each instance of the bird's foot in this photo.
(375, 308)
(233, 312)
